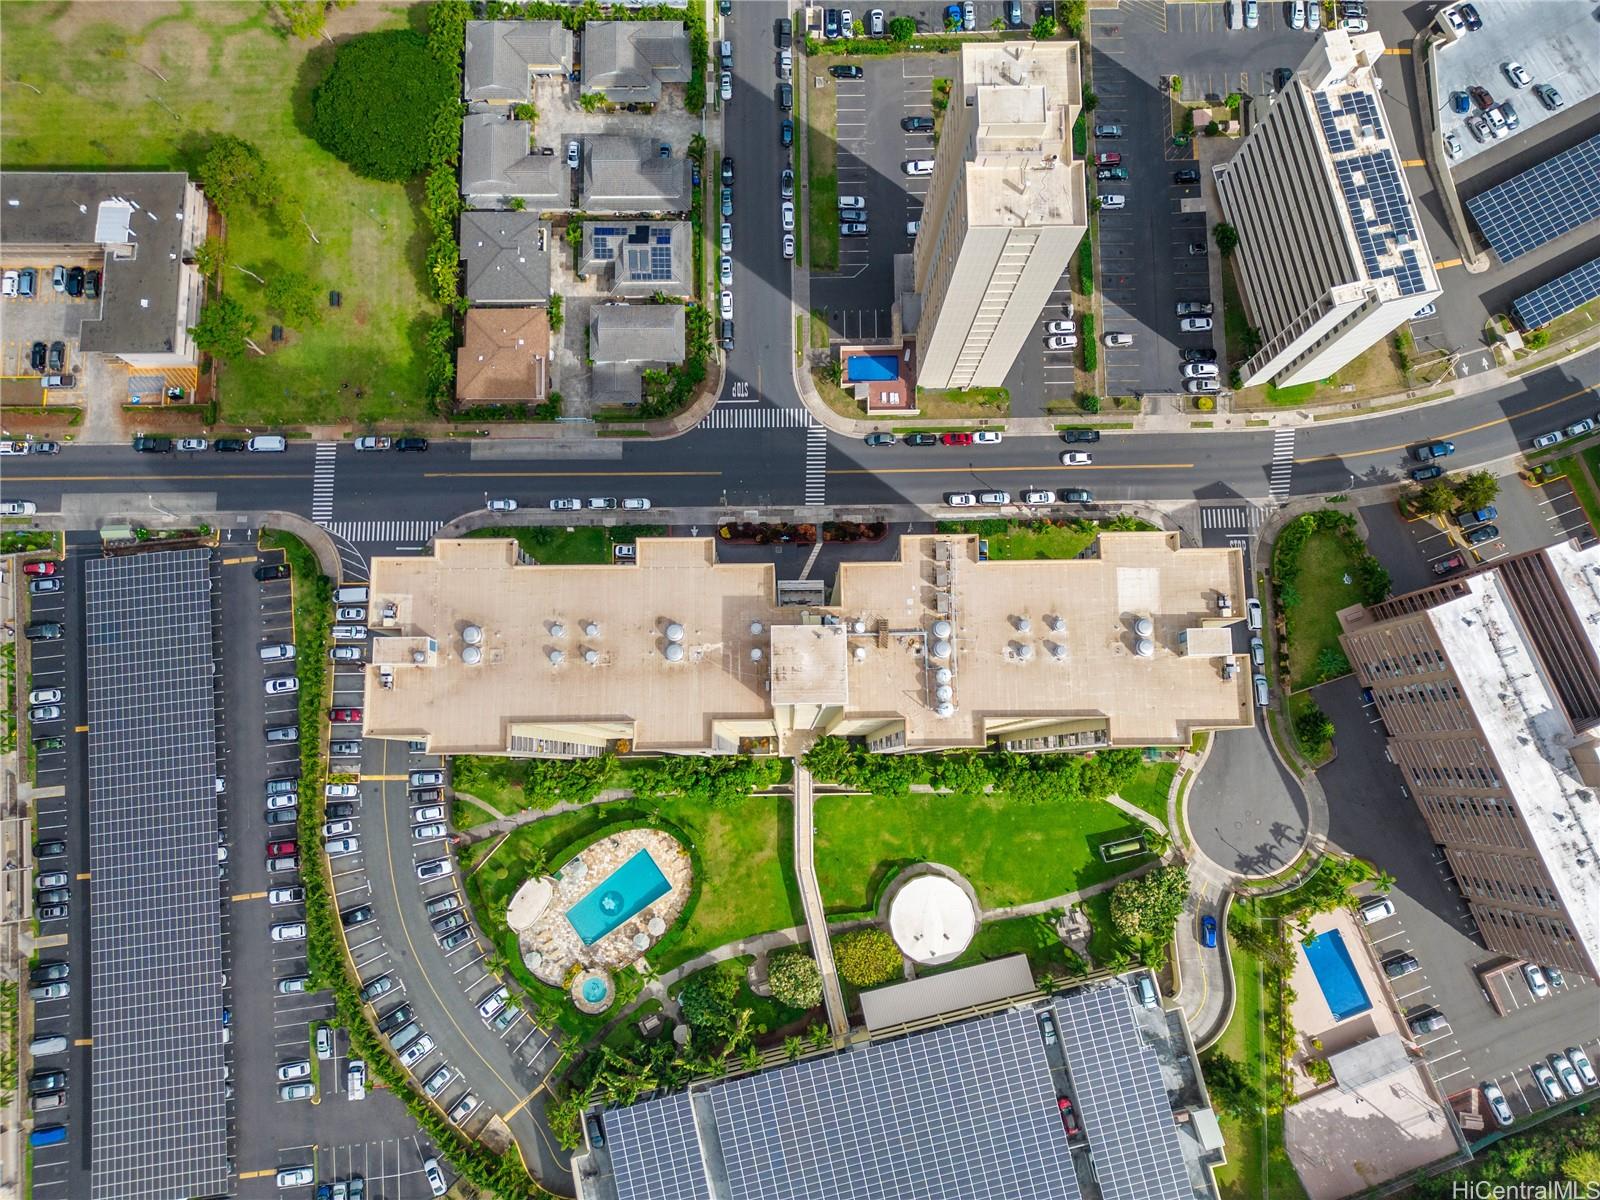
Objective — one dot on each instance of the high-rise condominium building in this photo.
(1331, 256)
(1004, 212)
(1489, 686)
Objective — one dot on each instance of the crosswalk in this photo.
(1230, 516)
(322, 482)
(742, 417)
(383, 533)
(816, 464)
(1282, 464)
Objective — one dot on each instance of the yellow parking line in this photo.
(80, 729)
(1449, 262)
(1415, 162)
(83, 1041)
(258, 1174)
(523, 1103)
(1397, 50)
(233, 562)
(249, 896)
(82, 875)
(383, 778)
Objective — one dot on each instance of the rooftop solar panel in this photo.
(655, 1152)
(1116, 1080)
(1542, 203)
(159, 1125)
(1558, 297)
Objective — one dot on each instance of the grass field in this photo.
(1033, 936)
(1011, 853)
(557, 546)
(1021, 541)
(224, 68)
(1150, 787)
(822, 170)
(1314, 623)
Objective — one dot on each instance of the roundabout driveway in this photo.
(1246, 812)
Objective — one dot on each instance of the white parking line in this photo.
(1440, 1038)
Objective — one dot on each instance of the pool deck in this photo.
(1313, 1018)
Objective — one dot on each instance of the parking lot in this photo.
(50, 317)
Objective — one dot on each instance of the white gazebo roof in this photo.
(529, 903)
(931, 919)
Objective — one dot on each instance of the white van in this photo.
(267, 443)
(277, 651)
(350, 594)
(46, 1044)
(1112, 201)
(1147, 992)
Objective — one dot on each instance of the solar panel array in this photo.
(159, 1122)
(604, 239)
(654, 1151)
(1116, 1080)
(651, 264)
(1380, 210)
(1359, 106)
(1558, 297)
(1541, 204)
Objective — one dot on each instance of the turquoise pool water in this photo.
(874, 367)
(1336, 974)
(618, 897)
(594, 990)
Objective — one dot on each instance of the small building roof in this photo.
(1374, 1059)
(932, 919)
(500, 55)
(504, 357)
(507, 256)
(946, 992)
(810, 665)
(647, 334)
(630, 60)
(495, 164)
(639, 258)
(629, 174)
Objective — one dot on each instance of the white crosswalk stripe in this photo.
(322, 482)
(1282, 463)
(383, 533)
(816, 464)
(740, 417)
(1230, 516)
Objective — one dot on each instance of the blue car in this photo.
(1461, 102)
(1208, 932)
(952, 16)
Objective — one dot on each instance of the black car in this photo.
(75, 281)
(727, 335)
(921, 439)
(451, 940)
(1469, 14)
(845, 72)
(42, 631)
(359, 915)
(1401, 964)
(1423, 474)
(1076, 496)
(36, 356)
(830, 22)
(340, 810)
(49, 971)
(727, 168)
(41, 1082)
(1482, 534)
(272, 571)
(785, 33)
(1187, 175)
(852, 214)
(1196, 354)
(91, 284)
(52, 848)
(786, 132)
(1072, 436)
(395, 1017)
(58, 355)
(42, 744)
(1281, 77)
(413, 444)
(785, 96)
(917, 124)
(226, 445)
(449, 922)
(152, 444)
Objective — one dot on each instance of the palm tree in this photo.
(793, 1046)
(752, 1058)
(819, 1036)
(1047, 984)
(1384, 881)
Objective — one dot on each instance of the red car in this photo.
(280, 849)
(346, 716)
(1068, 1117)
(1109, 159)
(39, 568)
(956, 439)
(1445, 565)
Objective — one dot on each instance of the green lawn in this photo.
(1033, 936)
(1314, 623)
(1011, 853)
(1150, 787)
(227, 69)
(1581, 486)
(557, 546)
(822, 177)
(1025, 541)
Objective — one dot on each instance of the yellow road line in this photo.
(248, 896)
(83, 1041)
(571, 474)
(1035, 467)
(80, 729)
(1397, 50)
(1502, 420)
(258, 1174)
(1416, 162)
(81, 875)
(1449, 262)
(383, 778)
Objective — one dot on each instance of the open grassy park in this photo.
(137, 86)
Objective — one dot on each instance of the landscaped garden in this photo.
(1042, 538)
(1320, 565)
(558, 546)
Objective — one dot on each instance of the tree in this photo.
(557, 312)
(224, 328)
(707, 999)
(1227, 238)
(866, 957)
(829, 759)
(1313, 728)
(1477, 490)
(795, 979)
(1149, 905)
(1435, 499)
(211, 256)
(902, 29)
(294, 297)
(1233, 1088)
(1045, 28)
(378, 107)
(233, 172)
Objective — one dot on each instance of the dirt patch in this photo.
(132, 15)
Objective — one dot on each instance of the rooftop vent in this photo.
(858, 626)
(860, 653)
(557, 658)
(1023, 650)
(674, 651)
(755, 654)
(1144, 627)
(591, 656)
(674, 632)
(941, 629)
(557, 629)
(1057, 650)
(942, 675)
(756, 628)
(946, 710)
(472, 635)
(472, 656)
(1022, 623)
(590, 629)
(940, 649)
(1144, 648)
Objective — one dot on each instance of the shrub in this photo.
(381, 104)
(1212, 129)
(1226, 237)
(1087, 344)
(1331, 663)
(233, 172)
(1148, 907)
(902, 29)
(556, 312)
(866, 957)
(1088, 402)
(1537, 339)
(795, 979)
(1313, 729)
(1044, 29)
(1086, 264)
(1235, 378)
(1205, 403)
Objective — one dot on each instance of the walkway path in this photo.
(805, 871)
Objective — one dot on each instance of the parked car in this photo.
(1548, 96)
(1427, 1022)
(917, 124)
(1071, 436)
(845, 72)
(1451, 562)
(960, 499)
(917, 166)
(374, 443)
(1401, 964)
(1423, 474)
(1195, 325)
(1584, 1067)
(1516, 73)
(1076, 496)
(1547, 1084)
(1186, 175)
(921, 439)
(1568, 1077)
(1111, 173)
(1496, 1100)
(1376, 909)
(1482, 534)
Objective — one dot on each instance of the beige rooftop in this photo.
(1020, 169)
(682, 653)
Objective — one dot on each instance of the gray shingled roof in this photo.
(58, 211)
(627, 257)
(628, 175)
(495, 163)
(630, 60)
(500, 54)
(650, 335)
(507, 256)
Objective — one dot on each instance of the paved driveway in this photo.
(1246, 811)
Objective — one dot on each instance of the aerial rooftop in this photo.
(1019, 168)
(682, 653)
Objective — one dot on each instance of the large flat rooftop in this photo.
(682, 652)
(1024, 97)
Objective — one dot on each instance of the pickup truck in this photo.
(1428, 451)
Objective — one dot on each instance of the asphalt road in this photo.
(1246, 812)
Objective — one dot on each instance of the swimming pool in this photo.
(1336, 974)
(618, 897)
(872, 368)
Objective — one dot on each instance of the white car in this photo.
(1452, 145)
(1585, 1068)
(1113, 201)
(960, 499)
(727, 305)
(727, 85)
(1546, 439)
(428, 812)
(435, 1178)
(493, 1002)
(917, 166)
(339, 847)
(1195, 325)
(45, 696)
(277, 652)
(1373, 910)
(994, 497)
(282, 801)
(1061, 342)
(636, 504)
(566, 504)
(1456, 23)
(337, 828)
(1496, 1100)
(435, 868)
(1038, 497)
(281, 687)
(1314, 16)
(289, 1177)
(371, 443)
(1537, 983)
(426, 833)
(986, 437)
(788, 245)
(417, 1051)
(502, 505)
(18, 508)
(602, 503)
(350, 633)
(1200, 370)
(1117, 340)
(1547, 1083)
(1517, 74)
(192, 443)
(912, 227)
(788, 215)
(852, 202)
(1297, 13)
(1568, 1077)
(727, 237)
(1061, 327)
(8, 284)
(286, 895)
(289, 931)
(341, 791)
(725, 270)
(1076, 458)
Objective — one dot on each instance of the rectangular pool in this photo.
(872, 368)
(617, 897)
(1336, 974)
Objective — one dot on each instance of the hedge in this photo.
(1086, 263)
(1086, 342)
